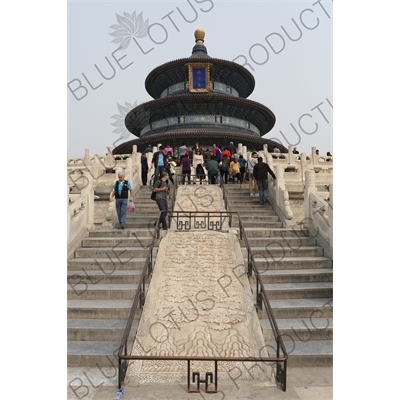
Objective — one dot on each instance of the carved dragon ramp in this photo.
(199, 304)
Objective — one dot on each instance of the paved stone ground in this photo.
(303, 384)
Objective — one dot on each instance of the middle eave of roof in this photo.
(200, 104)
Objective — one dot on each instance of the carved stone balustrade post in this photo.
(291, 156)
(280, 183)
(269, 160)
(98, 167)
(137, 168)
(110, 161)
(278, 193)
(88, 192)
(87, 162)
(134, 149)
(149, 157)
(128, 170)
(244, 152)
(314, 157)
(309, 188)
(304, 166)
(136, 158)
(240, 148)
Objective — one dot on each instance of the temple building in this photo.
(199, 99)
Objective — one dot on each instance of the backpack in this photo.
(225, 164)
(242, 162)
(153, 193)
(200, 170)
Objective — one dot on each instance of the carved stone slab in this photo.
(199, 304)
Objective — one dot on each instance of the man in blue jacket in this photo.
(121, 189)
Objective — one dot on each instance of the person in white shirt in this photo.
(198, 161)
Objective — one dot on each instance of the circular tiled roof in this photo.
(200, 104)
(173, 72)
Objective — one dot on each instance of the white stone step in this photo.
(103, 309)
(104, 276)
(92, 353)
(105, 263)
(300, 308)
(100, 291)
(278, 253)
(97, 329)
(297, 275)
(298, 290)
(289, 263)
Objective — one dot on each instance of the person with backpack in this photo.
(162, 190)
(212, 168)
(121, 189)
(243, 164)
(198, 161)
(234, 171)
(225, 165)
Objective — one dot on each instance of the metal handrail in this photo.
(178, 182)
(261, 296)
(225, 197)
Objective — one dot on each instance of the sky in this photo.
(286, 45)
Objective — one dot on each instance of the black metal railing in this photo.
(279, 359)
(203, 220)
(196, 181)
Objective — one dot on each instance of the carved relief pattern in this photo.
(199, 304)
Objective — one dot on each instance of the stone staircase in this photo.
(102, 282)
(103, 278)
(297, 278)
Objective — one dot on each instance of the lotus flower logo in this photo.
(129, 26)
(120, 119)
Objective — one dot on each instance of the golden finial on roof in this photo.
(199, 36)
